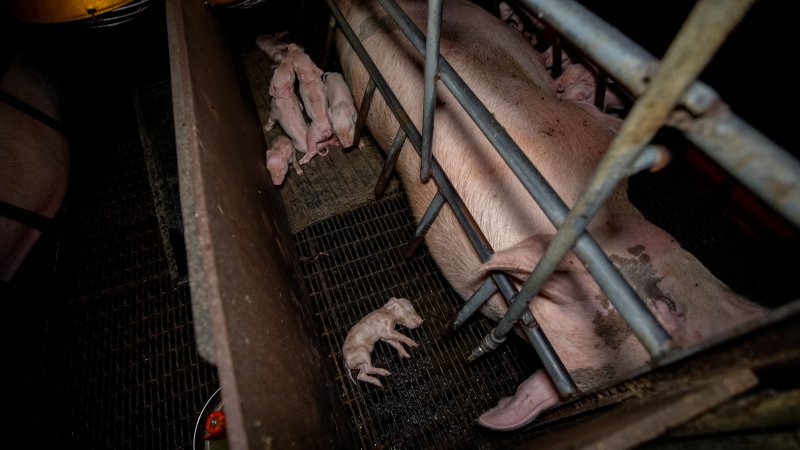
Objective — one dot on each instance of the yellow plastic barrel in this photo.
(55, 11)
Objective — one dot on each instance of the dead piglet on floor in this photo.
(375, 326)
(312, 91)
(341, 109)
(279, 155)
(286, 108)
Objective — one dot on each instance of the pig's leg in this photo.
(395, 335)
(533, 396)
(399, 347)
(297, 168)
(272, 118)
(307, 157)
(312, 138)
(366, 370)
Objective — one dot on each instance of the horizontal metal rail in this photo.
(641, 321)
(555, 368)
(760, 164)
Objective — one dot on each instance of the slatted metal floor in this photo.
(352, 265)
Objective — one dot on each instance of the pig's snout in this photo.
(346, 141)
(412, 321)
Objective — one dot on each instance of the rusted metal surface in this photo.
(275, 387)
(632, 424)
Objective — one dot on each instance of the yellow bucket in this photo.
(55, 11)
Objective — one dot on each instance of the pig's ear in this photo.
(520, 259)
(392, 302)
(533, 396)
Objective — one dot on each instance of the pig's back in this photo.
(505, 72)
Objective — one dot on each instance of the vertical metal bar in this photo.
(704, 31)
(600, 89)
(424, 224)
(555, 66)
(326, 56)
(616, 288)
(555, 368)
(484, 293)
(429, 95)
(391, 161)
(363, 110)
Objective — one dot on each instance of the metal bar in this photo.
(705, 30)
(484, 292)
(555, 368)
(616, 288)
(600, 89)
(26, 217)
(391, 161)
(33, 113)
(326, 56)
(556, 69)
(424, 224)
(363, 110)
(429, 95)
(755, 160)
(653, 158)
(773, 175)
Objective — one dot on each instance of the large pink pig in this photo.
(34, 159)
(341, 110)
(286, 108)
(312, 91)
(565, 143)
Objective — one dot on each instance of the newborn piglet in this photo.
(286, 108)
(312, 91)
(279, 155)
(272, 46)
(341, 109)
(375, 326)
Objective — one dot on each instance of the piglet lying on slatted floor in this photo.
(375, 326)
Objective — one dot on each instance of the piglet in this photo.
(341, 109)
(312, 91)
(573, 74)
(585, 92)
(566, 61)
(286, 108)
(279, 155)
(272, 46)
(379, 325)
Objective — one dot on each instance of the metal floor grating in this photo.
(118, 364)
(430, 400)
